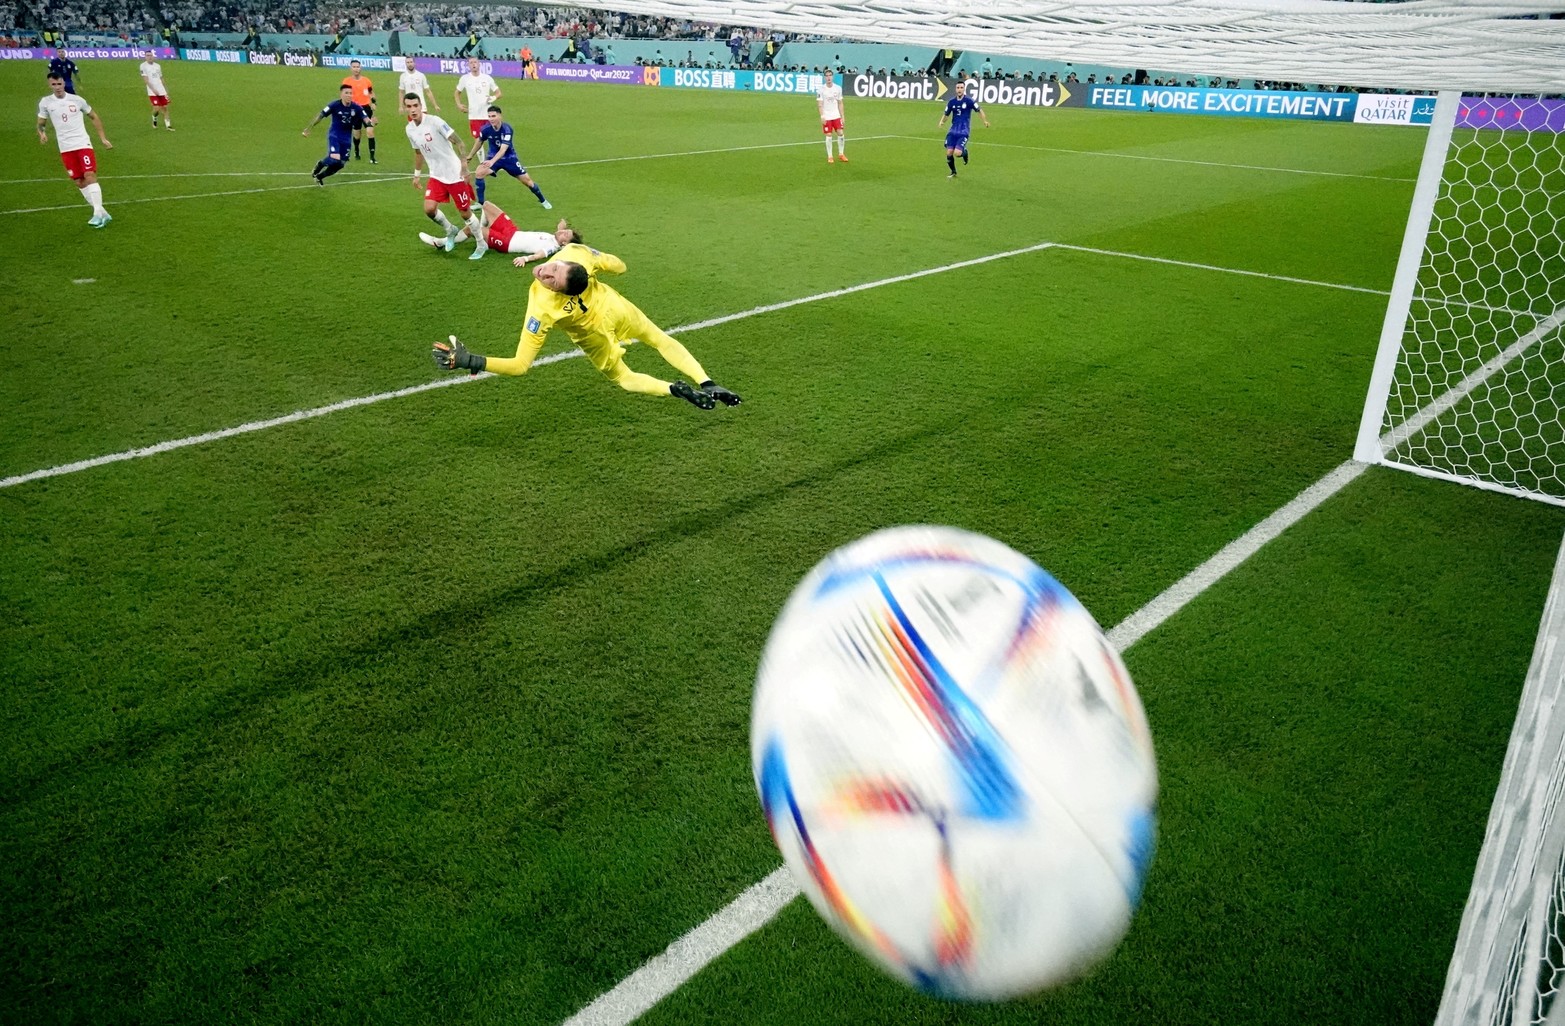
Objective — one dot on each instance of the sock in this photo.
(319, 166)
(478, 187)
(477, 229)
(842, 144)
(439, 217)
(828, 147)
(951, 163)
(356, 154)
(93, 194)
(332, 167)
(537, 192)
(964, 154)
(372, 148)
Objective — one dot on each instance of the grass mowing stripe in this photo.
(753, 909)
(700, 153)
(383, 177)
(206, 195)
(1173, 160)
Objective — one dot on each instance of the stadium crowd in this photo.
(30, 17)
(31, 22)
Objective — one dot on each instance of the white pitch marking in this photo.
(1226, 270)
(83, 281)
(208, 195)
(190, 174)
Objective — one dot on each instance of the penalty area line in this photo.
(348, 404)
(758, 905)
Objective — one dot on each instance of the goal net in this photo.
(1469, 382)
(1509, 965)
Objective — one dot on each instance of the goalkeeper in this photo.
(567, 294)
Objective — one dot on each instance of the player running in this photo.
(345, 117)
(433, 146)
(567, 294)
(157, 93)
(499, 136)
(960, 109)
(65, 109)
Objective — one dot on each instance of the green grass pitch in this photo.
(436, 709)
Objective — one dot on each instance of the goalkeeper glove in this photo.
(453, 355)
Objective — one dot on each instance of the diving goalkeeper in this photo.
(567, 294)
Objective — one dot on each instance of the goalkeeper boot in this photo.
(720, 393)
(453, 355)
(691, 394)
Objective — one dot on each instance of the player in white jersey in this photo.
(475, 91)
(415, 81)
(828, 98)
(502, 235)
(66, 110)
(433, 146)
(157, 93)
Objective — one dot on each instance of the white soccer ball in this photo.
(955, 764)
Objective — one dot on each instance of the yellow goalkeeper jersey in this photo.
(583, 318)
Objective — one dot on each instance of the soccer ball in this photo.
(955, 764)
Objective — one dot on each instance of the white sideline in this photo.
(298, 415)
(756, 907)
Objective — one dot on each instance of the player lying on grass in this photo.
(502, 235)
(567, 294)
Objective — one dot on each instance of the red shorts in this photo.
(158, 101)
(460, 194)
(500, 231)
(476, 126)
(79, 162)
(834, 125)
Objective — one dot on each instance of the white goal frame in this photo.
(1379, 443)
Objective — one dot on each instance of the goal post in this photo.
(1369, 449)
(1469, 379)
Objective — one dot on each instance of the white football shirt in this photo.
(69, 114)
(830, 99)
(525, 243)
(411, 82)
(479, 88)
(152, 73)
(432, 137)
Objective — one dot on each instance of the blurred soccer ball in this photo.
(955, 763)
